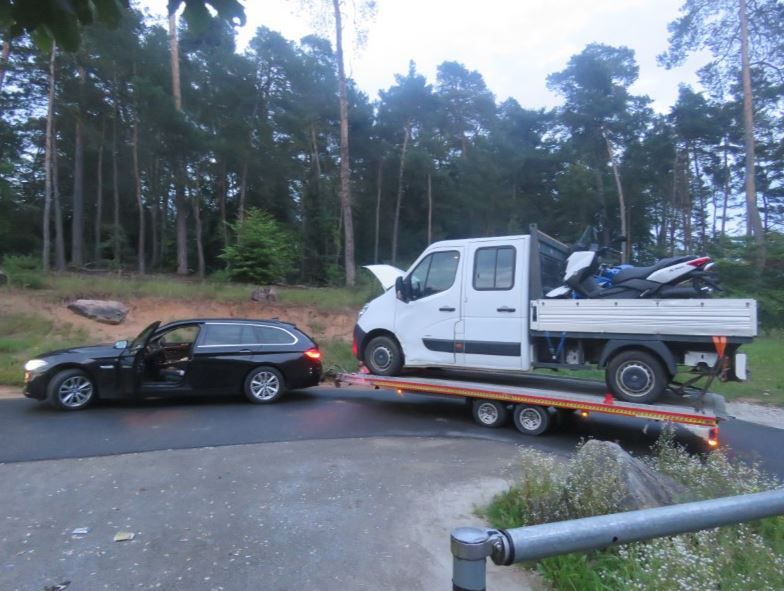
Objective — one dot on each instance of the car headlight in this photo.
(363, 310)
(34, 364)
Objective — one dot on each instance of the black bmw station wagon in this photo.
(260, 358)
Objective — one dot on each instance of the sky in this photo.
(514, 44)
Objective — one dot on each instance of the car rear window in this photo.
(224, 335)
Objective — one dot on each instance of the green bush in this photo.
(24, 271)
(738, 557)
(264, 251)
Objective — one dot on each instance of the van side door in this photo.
(495, 305)
(425, 325)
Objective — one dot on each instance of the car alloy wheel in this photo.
(75, 392)
(264, 385)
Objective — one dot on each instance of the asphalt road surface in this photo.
(33, 431)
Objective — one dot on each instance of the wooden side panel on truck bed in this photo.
(696, 317)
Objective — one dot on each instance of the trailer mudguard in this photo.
(657, 347)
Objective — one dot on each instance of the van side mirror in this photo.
(403, 289)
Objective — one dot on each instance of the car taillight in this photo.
(699, 262)
(354, 348)
(314, 354)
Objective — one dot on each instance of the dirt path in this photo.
(321, 325)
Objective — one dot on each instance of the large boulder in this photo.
(266, 293)
(644, 487)
(106, 311)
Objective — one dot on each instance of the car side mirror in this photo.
(123, 344)
(403, 289)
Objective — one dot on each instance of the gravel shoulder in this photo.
(370, 513)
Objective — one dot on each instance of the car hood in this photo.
(386, 274)
(91, 351)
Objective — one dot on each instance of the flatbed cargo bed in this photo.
(705, 412)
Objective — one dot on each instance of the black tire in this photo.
(383, 357)
(636, 376)
(490, 413)
(264, 385)
(71, 389)
(531, 419)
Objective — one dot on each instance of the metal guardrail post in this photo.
(471, 546)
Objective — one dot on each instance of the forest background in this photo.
(142, 149)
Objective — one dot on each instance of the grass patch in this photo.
(745, 556)
(70, 286)
(337, 356)
(23, 336)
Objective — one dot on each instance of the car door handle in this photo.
(245, 351)
(446, 309)
(505, 309)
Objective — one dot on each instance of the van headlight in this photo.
(363, 310)
(34, 364)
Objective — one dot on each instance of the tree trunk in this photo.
(139, 202)
(181, 222)
(174, 59)
(379, 180)
(115, 192)
(621, 200)
(395, 226)
(700, 198)
(196, 202)
(726, 192)
(243, 189)
(429, 208)
(180, 202)
(77, 219)
(99, 197)
(222, 190)
(47, 247)
(753, 221)
(155, 212)
(4, 61)
(59, 234)
(345, 180)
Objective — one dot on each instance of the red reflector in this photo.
(313, 354)
(699, 262)
(713, 437)
(354, 348)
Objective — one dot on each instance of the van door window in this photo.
(494, 268)
(434, 274)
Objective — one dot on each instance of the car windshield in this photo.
(143, 336)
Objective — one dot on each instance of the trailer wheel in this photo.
(531, 420)
(383, 356)
(490, 413)
(636, 376)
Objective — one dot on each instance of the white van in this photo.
(477, 304)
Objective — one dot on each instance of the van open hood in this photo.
(386, 274)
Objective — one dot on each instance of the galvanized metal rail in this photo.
(472, 546)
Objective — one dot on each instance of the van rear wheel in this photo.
(636, 376)
(383, 356)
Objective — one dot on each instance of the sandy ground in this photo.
(761, 414)
(143, 311)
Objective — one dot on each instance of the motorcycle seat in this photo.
(643, 272)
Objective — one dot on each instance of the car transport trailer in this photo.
(534, 408)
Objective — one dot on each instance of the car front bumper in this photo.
(35, 384)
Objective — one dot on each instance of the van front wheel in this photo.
(383, 356)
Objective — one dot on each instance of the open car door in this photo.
(131, 365)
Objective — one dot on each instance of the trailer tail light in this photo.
(584, 413)
(713, 437)
(354, 348)
(313, 354)
(699, 262)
